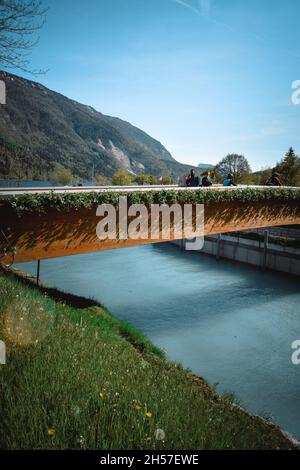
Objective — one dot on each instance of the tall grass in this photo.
(76, 378)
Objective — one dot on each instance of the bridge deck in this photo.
(56, 233)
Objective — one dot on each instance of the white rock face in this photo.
(100, 144)
(120, 155)
(140, 166)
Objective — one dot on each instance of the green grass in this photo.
(74, 369)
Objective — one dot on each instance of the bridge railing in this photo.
(78, 189)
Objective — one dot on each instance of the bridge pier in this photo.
(265, 254)
(218, 250)
(38, 272)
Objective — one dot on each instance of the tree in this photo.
(235, 164)
(261, 177)
(20, 20)
(167, 180)
(142, 178)
(289, 169)
(102, 180)
(121, 178)
(153, 179)
(60, 175)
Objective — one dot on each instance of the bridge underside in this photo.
(55, 234)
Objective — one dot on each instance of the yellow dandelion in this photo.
(137, 406)
(51, 432)
(101, 394)
(149, 414)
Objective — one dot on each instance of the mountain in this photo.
(205, 166)
(39, 127)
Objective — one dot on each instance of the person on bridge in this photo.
(192, 179)
(274, 180)
(206, 181)
(229, 181)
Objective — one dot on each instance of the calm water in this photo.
(232, 324)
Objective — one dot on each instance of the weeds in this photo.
(76, 378)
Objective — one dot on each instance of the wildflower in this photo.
(137, 406)
(101, 394)
(76, 410)
(51, 432)
(81, 441)
(149, 414)
(160, 435)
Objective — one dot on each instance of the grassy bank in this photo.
(78, 378)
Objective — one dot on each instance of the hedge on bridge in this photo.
(40, 203)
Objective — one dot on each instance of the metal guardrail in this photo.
(281, 232)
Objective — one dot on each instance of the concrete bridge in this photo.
(31, 235)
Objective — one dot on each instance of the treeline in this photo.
(236, 165)
(288, 169)
(20, 162)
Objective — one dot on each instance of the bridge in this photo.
(41, 223)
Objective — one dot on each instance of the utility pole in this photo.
(93, 173)
(38, 273)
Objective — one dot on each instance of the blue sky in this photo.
(205, 77)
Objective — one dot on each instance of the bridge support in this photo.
(218, 251)
(38, 272)
(265, 254)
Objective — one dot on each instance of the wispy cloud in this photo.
(203, 8)
(200, 7)
(189, 5)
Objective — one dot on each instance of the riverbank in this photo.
(242, 248)
(78, 378)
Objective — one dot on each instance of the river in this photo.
(230, 323)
